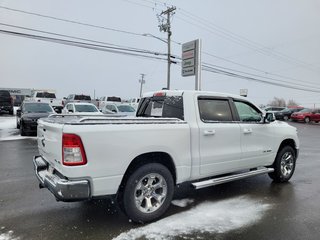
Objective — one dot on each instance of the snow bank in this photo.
(182, 202)
(8, 129)
(8, 236)
(207, 217)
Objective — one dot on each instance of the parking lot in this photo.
(253, 208)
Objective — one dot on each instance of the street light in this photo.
(153, 36)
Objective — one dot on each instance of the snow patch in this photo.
(207, 217)
(8, 236)
(8, 129)
(182, 202)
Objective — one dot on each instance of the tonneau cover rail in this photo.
(78, 119)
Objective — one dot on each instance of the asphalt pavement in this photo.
(277, 211)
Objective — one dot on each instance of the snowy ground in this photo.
(8, 236)
(8, 129)
(206, 217)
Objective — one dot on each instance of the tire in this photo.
(284, 165)
(307, 120)
(22, 131)
(143, 187)
(286, 118)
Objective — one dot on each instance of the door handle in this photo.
(209, 132)
(247, 130)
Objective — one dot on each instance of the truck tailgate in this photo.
(50, 142)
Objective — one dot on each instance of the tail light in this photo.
(73, 153)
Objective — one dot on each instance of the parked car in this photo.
(47, 97)
(104, 100)
(121, 109)
(306, 115)
(191, 137)
(81, 108)
(285, 114)
(6, 103)
(77, 98)
(134, 102)
(28, 115)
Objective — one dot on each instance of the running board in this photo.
(230, 178)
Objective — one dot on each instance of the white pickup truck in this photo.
(47, 97)
(193, 137)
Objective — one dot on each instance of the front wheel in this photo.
(286, 118)
(284, 165)
(22, 131)
(148, 192)
(307, 120)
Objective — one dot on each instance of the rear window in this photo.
(82, 97)
(113, 99)
(170, 107)
(45, 95)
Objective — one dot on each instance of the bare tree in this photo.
(292, 102)
(277, 102)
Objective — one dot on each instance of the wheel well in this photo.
(152, 157)
(288, 142)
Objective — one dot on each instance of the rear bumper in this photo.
(62, 188)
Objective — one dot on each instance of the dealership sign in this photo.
(18, 91)
(191, 61)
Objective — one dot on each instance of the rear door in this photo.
(219, 136)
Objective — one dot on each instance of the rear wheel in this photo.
(284, 165)
(307, 120)
(148, 192)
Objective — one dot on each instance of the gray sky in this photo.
(278, 39)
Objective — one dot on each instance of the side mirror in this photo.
(269, 117)
(70, 111)
(115, 111)
(19, 112)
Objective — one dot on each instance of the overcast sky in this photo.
(277, 40)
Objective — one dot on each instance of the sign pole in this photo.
(198, 67)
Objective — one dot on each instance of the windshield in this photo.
(36, 108)
(126, 108)
(85, 108)
(306, 110)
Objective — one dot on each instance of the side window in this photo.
(247, 113)
(69, 107)
(214, 110)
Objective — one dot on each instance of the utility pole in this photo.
(141, 81)
(166, 27)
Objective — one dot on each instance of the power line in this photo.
(256, 69)
(78, 38)
(223, 32)
(205, 66)
(87, 45)
(232, 74)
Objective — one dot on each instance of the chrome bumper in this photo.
(62, 188)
